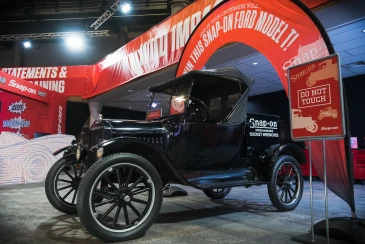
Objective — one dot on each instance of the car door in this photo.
(228, 145)
(199, 143)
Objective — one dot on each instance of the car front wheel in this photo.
(217, 193)
(130, 208)
(62, 183)
(286, 185)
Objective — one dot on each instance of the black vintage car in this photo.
(197, 133)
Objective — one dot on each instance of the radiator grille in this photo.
(95, 136)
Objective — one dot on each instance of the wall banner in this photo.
(281, 21)
(66, 80)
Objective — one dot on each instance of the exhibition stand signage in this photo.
(270, 25)
(29, 110)
(18, 86)
(65, 80)
(316, 100)
(288, 34)
(316, 110)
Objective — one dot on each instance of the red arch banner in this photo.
(287, 34)
(279, 29)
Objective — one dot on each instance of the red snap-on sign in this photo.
(316, 100)
(154, 114)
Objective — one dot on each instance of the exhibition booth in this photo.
(287, 33)
(32, 128)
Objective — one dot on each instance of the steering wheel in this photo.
(197, 111)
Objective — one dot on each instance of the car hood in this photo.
(132, 127)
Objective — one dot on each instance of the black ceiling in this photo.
(44, 16)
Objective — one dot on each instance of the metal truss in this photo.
(109, 13)
(54, 35)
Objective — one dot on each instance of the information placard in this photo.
(316, 100)
(154, 114)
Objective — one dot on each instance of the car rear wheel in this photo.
(217, 193)
(286, 186)
(62, 183)
(130, 208)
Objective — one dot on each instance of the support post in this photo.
(311, 189)
(95, 109)
(325, 189)
(177, 5)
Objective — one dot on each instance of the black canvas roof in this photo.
(224, 73)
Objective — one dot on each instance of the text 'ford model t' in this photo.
(198, 134)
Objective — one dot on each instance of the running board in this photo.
(228, 184)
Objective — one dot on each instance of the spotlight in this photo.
(74, 42)
(153, 105)
(126, 7)
(255, 63)
(27, 44)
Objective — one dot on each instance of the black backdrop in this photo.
(277, 103)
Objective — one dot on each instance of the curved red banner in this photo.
(279, 29)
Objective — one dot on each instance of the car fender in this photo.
(290, 149)
(152, 153)
(68, 150)
(268, 159)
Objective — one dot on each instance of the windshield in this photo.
(170, 100)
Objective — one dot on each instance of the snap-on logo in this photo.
(17, 107)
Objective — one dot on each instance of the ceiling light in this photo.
(74, 42)
(363, 31)
(255, 63)
(27, 44)
(153, 105)
(126, 7)
(130, 107)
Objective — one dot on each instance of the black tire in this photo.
(217, 193)
(124, 169)
(64, 200)
(286, 181)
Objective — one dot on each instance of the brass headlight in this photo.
(78, 152)
(99, 153)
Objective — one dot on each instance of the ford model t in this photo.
(197, 133)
